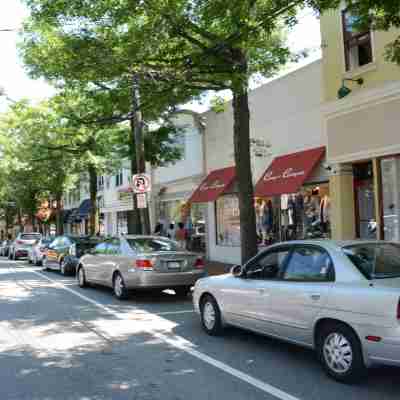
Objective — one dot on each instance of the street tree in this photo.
(100, 64)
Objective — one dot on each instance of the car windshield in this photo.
(150, 245)
(31, 236)
(375, 261)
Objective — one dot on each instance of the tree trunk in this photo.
(137, 126)
(93, 217)
(59, 221)
(241, 139)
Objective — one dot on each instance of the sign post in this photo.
(141, 200)
(141, 186)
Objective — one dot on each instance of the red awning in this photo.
(213, 185)
(287, 173)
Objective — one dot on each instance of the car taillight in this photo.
(199, 263)
(145, 264)
(398, 310)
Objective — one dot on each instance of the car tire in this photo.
(211, 316)
(81, 277)
(15, 257)
(182, 291)
(340, 352)
(120, 290)
(63, 268)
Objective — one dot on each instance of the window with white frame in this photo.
(357, 42)
(119, 178)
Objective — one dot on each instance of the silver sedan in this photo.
(340, 298)
(140, 262)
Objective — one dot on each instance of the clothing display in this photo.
(302, 215)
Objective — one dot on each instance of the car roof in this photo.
(328, 243)
(144, 237)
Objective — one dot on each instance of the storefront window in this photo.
(301, 215)
(390, 168)
(228, 224)
(365, 200)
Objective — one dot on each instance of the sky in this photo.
(16, 83)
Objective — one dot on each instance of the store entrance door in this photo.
(366, 227)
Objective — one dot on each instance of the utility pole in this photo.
(137, 122)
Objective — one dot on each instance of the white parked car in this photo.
(341, 299)
(22, 244)
(38, 251)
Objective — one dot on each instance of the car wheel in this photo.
(81, 278)
(211, 316)
(29, 260)
(15, 257)
(120, 290)
(182, 291)
(62, 268)
(340, 353)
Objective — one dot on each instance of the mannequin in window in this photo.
(324, 213)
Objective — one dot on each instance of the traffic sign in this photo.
(141, 183)
(141, 200)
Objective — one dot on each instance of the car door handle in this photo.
(262, 291)
(315, 296)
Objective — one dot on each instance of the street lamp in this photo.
(344, 90)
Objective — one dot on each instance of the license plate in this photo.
(174, 265)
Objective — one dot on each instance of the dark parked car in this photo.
(63, 252)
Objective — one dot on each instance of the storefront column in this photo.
(341, 190)
(378, 198)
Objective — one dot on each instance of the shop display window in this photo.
(301, 215)
(390, 168)
(228, 224)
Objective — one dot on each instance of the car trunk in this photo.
(172, 262)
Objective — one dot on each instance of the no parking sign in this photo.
(141, 183)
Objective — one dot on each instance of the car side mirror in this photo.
(237, 271)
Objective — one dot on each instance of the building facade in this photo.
(173, 184)
(360, 115)
(292, 197)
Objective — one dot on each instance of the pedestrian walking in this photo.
(181, 234)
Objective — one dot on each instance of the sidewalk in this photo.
(217, 268)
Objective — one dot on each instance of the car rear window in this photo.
(150, 245)
(375, 261)
(30, 237)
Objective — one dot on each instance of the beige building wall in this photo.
(374, 74)
(363, 125)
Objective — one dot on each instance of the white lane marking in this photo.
(184, 345)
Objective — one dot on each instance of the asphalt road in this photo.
(58, 341)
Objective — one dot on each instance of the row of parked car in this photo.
(340, 298)
(122, 263)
